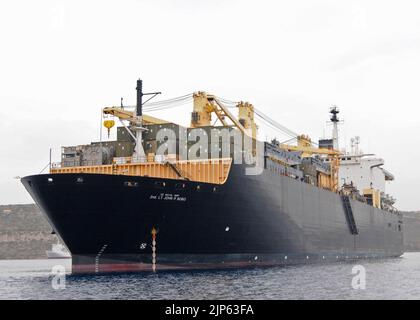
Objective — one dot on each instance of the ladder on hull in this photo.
(349, 215)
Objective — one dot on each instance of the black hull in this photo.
(261, 220)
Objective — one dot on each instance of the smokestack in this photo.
(139, 106)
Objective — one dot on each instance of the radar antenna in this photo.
(334, 119)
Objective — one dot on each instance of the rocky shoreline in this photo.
(24, 233)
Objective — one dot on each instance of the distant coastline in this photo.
(25, 234)
(411, 227)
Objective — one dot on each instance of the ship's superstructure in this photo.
(166, 196)
(362, 174)
(365, 172)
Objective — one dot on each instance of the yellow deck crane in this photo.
(305, 146)
(205, 104)
(123, 114)
(129, 116)
(136, 119)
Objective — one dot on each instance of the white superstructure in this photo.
(360, 174)
(364, 172)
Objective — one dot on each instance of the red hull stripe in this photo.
(144, 267)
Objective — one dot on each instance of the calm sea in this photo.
(384, 279)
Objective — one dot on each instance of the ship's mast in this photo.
(334, 119)
(139, 105)
(138, 127)
(139, 151)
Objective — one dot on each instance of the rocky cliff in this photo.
(24, 233)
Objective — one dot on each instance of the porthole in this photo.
(180, 186)
(160, 184)
(131, 184)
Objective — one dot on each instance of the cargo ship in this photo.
(168, 197)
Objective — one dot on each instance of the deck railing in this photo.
(209, 171)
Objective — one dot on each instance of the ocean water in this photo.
(397, 278)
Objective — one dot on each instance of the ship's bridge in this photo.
(388, 175)
(364, 171)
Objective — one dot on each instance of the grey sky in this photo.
(61, 61)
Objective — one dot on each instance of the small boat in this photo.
(58, 251)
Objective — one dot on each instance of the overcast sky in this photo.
(62, 61)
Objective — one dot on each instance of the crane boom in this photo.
(204, 105)
(310, 150)
(305, 145)
(222, 112)
(123, 114)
